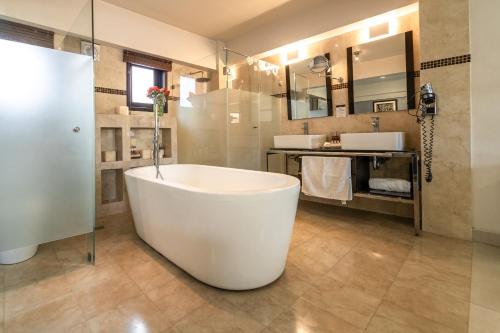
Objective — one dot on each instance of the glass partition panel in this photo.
(47, 124)
(234, 125)
(253, 110)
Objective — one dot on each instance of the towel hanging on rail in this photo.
(327, 177)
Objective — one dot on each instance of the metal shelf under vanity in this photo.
(360, 169)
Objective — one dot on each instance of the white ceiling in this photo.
(217, 19)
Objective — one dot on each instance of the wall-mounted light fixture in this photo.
(292, 55)
(379, 30)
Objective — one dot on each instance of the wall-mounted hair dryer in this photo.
(428, 100)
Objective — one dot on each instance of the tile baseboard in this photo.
(486, 237)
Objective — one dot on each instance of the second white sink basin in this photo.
(373, 141)
(299, 141)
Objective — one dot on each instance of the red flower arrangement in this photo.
(159, 97)
(154, 91)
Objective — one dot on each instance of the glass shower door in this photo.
(254, 110)
(243, 113)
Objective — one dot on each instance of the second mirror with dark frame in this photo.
(381, 75)
(309, 94)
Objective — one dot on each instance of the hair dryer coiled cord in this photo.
(427, 138)
(428, 143)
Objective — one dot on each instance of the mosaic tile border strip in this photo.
(446, 62)
(338, 86)
(123, 92)
(110, 91)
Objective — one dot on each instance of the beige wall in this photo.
(485, 34)
(447, 201)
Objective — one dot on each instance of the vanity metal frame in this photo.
(415, 176)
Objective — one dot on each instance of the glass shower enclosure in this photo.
(233, 126)
(47, 175)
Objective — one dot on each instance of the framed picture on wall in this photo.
(385, 105)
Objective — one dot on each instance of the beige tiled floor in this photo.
(347, 271)
(485, 293)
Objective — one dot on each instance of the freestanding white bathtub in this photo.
(229, 228)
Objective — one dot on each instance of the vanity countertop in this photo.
(340, 151)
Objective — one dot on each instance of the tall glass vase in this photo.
(156, 137)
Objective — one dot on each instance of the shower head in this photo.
(201, 79)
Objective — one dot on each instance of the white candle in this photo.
(109, 156)
(123, 110)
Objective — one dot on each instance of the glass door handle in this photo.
(76, 129)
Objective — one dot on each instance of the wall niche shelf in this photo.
(118, 133)
(112, 186)
(111, 140)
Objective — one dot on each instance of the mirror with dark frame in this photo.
(381, 75)
(309, 94)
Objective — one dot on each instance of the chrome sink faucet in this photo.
(305, 127)
(376, 124)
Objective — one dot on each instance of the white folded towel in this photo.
(390, 184)
(327, 177)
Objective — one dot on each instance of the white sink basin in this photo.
(299, 141)
(373, 141)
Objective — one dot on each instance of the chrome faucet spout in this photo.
(375, 124)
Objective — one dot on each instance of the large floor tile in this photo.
(390, 318)
(213, 319)
(176, 299)
(422, 275)
(346, 302)
(154, 273)
(486, 277)
(431, 304)
(304, 317)
(135, 315)
(318, 254)
(105, 296)
(263, 304)
(296, 280)
(483, 320)
(456, 264)
(60, 315)
(436, 246)
(367, 270)
(27, 295)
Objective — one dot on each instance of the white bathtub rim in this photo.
(291, 181)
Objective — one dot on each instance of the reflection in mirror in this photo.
(381, 73)
(309, 94)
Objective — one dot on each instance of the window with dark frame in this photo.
(143, 72)
(139, 79)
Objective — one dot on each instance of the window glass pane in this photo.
(188, 86)
(142, 79)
